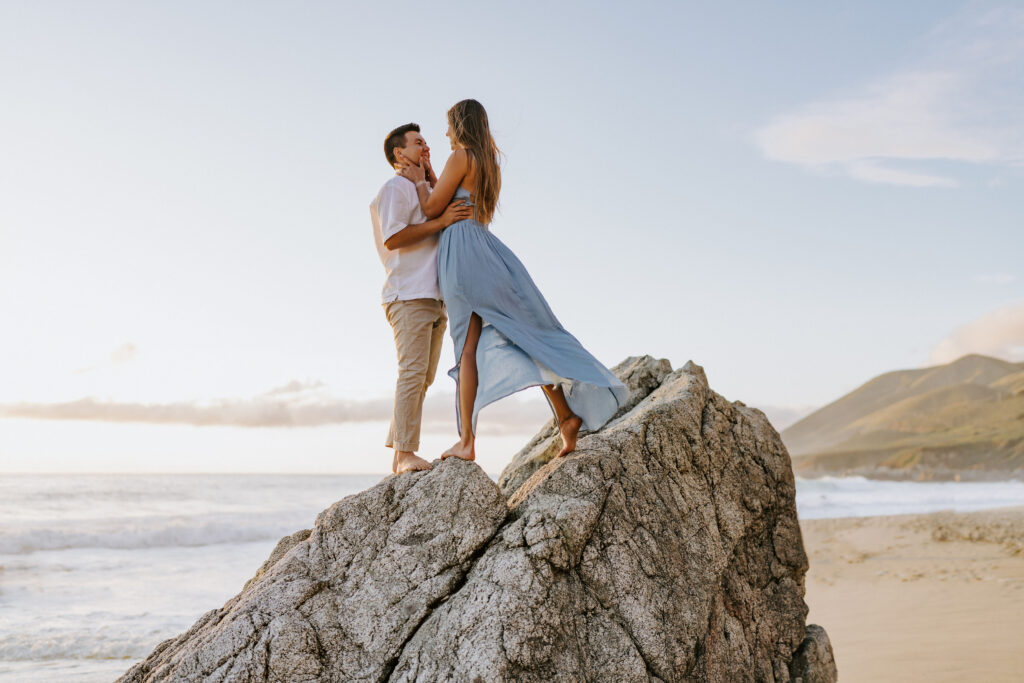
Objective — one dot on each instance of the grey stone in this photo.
(666, 548)
(814, 661)
(640, 374)
(339, 604)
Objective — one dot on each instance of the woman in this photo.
(506, 337)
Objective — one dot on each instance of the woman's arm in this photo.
(434, 203)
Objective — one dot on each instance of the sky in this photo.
(796, 196)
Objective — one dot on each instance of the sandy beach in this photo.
(931, 597)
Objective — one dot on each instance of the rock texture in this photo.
(640, 374)
(814, 661)
(337, 603)
(666, 548)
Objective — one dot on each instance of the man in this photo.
(407, 245)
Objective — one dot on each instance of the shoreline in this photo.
(933, 596)
(913, 474)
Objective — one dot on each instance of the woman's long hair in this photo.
(470, 129)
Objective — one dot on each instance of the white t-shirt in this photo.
(411, 271)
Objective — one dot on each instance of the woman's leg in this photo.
(568, 422)
(465, 448)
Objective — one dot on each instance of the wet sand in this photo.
(935, 597)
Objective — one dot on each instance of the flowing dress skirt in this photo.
(522, 344)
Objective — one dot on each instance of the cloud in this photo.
(999, 333)
(996, 278)
(962, 103)
(122, 354)
(295, 387)
(873, 172)
(296, 404)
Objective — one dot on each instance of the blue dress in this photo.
(522, 344)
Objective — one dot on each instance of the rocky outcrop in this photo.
(640, 374)
(666, 548)
(341, 600)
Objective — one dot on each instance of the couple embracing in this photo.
(445, 268)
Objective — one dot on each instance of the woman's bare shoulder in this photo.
(460, 163)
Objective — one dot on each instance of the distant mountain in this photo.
(964, 420)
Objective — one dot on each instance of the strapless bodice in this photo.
(465, 195)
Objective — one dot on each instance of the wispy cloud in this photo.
(296, 404)
(996, 278)
(999, 333)
(963, 102)
(122, 354)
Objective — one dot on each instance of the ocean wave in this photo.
(859, 497)
(150, 532)
(106, 643)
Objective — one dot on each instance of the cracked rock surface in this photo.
(666, 548)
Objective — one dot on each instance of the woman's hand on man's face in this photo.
(414, 172)
(427, 168)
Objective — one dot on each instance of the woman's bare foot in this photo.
(569, 427)
(410, 462)
(461, 450)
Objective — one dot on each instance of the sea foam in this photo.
(860, 497)
(149, 532)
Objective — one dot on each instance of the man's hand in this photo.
(414, 172)
(456, 211)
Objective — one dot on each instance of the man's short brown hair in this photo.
(396, 138)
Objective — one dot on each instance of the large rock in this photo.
(666, 548)
(339, 602)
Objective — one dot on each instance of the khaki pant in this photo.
(419, 326)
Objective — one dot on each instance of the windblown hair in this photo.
(470, 130)
(396, 138)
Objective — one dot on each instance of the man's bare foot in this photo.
(461, 450)
(410, 462)
(569, 427)
(394, 464)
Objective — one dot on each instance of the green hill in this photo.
(964, 420)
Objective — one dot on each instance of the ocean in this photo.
(97, 569)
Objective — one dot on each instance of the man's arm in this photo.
(411, 234)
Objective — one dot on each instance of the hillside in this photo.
(964, 420)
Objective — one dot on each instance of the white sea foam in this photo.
(105, 642)
(63, 670)
(152, 511)
(151, 532)
(860, 497)
(96, 570)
